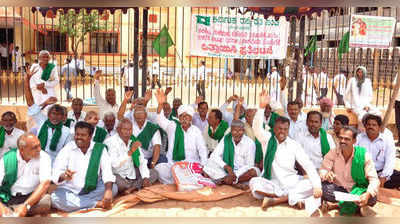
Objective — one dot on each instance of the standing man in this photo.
(200, 82)
(127, 160)
(68, 69)
(339, 84)
(323, 80)
(349, 169)
(275, 87)
(44, 78)
(25, 174)
(155, 73)
(83, 173)
(9, 134)
(185, 142)
(16, 60)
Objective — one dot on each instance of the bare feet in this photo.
(241, 186)
(299, 205)
(366, 211)
(267, 202)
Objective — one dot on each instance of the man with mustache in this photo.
(339, 122)
(350, 169)
(314, 140)
(297, 122)
(382, 150)
(25, 174)
(128, 161)
(215, 130)
(44, 78)
(328, 116)
(279, 183)
(9, 134)
(76, 114)
(82, 171)
(185, 141)
(50, 129)
(232, 161)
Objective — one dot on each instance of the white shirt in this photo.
(200, 74)
(323, 80)
(81, 64)
(341, 83)
(210, 142)
(30, 174)
(121, 162)
(287, 153)
(40, 118)
(129, 75)
(10, 141)
(226, 115)
(356, 99)
(198, 122)
(195, 148)
(275, 86)
(151, 116)
(245, 152)
(71, 115)
(155, 140)
(16, 58)
(312, 146)
(3, 51)
(102, 103)
(50, 84)
(72, 158)
(297, 126)
(155, 68)
(383, 153)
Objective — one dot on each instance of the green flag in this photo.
(162, 42)
(344, 45)
(311, 46)
(203, 20)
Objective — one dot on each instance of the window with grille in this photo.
(104, 43)
(51, 41)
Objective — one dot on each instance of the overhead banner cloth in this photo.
(371, 31)
(238, 37)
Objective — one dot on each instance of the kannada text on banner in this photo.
(238, 37)
(371, 31)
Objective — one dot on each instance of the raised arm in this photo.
(260, 133)
(28, 92)
(237, 109)
(122, 108)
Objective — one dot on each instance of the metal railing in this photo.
(127, 34)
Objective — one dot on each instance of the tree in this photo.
(78, 25)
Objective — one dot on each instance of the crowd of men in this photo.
(73, 160)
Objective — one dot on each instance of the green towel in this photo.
(259, 152)
(47, 71)
(219, 133)
(178, 153)
(10, 174)
(324, 142)
(68, 122)
(2, 136)
(100, 135)
(92, 173)
(147, 134)
(135, 155)
(43, 135)
(229, 151)
(361, 182)
(269, 156)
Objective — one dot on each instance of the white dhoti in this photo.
(216, 172)
(297, 192)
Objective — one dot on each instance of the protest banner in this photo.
(238, 37)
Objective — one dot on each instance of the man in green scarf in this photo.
(83, 173)
(185, 141)
(176, 103)
(25, 175)
(215, 130)
(9, 134)
(279, 183)
(50, 129)
(314, 140)
(128, 161)
(349, 169)
(232, 161)
(44, 78)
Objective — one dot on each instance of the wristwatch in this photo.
(27, 206)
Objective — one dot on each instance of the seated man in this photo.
(326, 106)
(232, 161)
(185, 142)
(229, 116)
(215, 130)
(9, 134)
(349, 168)
(127, 160)
(50, 129)
(76, 114)
(269, 117)
(82, 171)
(25, 174)
(148, 135)
(142, 101)
(315, 141)
(382, 150)
(176, 103)
(100, 134)
(109, 121)
(297, 121)
(200, 117)
(279, 183)
(339, 122)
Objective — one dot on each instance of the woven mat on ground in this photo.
(157, 193)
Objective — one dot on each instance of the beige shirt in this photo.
(334, 161)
